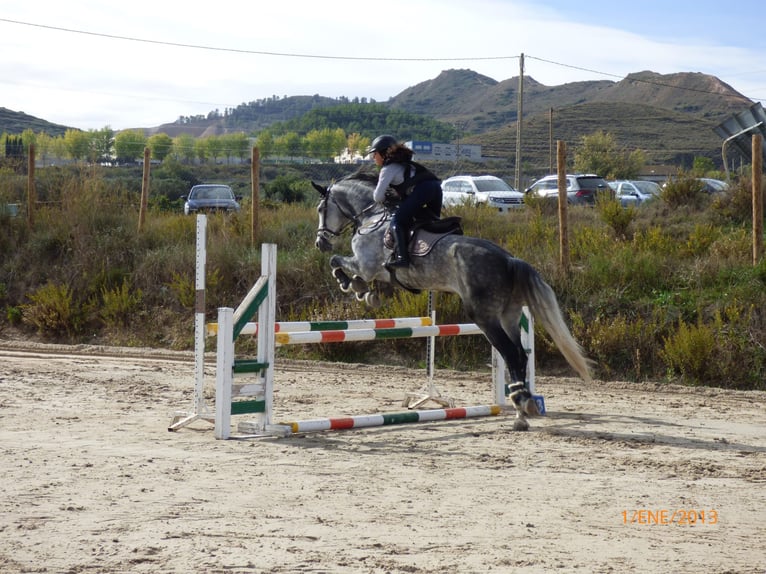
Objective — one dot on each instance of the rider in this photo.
(419, 189)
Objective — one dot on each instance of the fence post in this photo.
(757, 176)
(255, 170)
(31, 190)
(561, 166)
(144, 190)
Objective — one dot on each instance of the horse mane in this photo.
(364, 174)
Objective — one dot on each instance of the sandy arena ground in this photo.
(92, 481)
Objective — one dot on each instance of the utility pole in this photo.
(550, 141)
(519, 112)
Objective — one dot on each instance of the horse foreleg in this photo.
(344, 281)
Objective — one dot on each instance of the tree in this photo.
(160, 144)
(101, 144)
(129, 145)
(183, 147)
(265, 143)
(45, 147)
(357, 143)
(214, 147)
(325, 143)
(77, 144)
(236, 145)
(599, 154)
(201, 150)
(289, 144)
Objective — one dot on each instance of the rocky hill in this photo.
(481, 103)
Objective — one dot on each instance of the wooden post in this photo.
(757, 176)
(31, 190)
(561, 166)
(144, 190)
(255, 170)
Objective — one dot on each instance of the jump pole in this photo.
(251, 328)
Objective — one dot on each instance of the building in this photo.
(425, 151)
(347, 156)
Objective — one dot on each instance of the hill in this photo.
(16, 122)
(480, 103)
(667, 137)
(670, 116)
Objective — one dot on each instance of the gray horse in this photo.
(492, 285)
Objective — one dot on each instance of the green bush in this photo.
(54, 311)
(716, 353)
(615, 215)
(684, 190)
(119, 304)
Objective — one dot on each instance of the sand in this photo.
(617, 477)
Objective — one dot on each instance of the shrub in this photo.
(119, 304)
(684, 190)
(615, 215)
(54, 311)
(717, 353)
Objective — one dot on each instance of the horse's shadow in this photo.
(650, 431)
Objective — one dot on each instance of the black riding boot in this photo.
(401, 251)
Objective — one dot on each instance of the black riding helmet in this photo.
(381, 144)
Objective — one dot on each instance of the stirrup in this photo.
(399, 262)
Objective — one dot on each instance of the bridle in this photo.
(352, 219)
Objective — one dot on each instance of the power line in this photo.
(350, 58)
(254, 52)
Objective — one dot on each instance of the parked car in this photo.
(582, 188)
(713, 185)
(709, 185)
(210, 197)
(481, 190)
(635, 191)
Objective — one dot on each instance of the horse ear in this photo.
(322, 190)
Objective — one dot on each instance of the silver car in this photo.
(481, 190)
(635, 191)
(582, 188)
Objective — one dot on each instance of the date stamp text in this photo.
(668, 517)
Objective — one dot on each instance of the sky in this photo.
(92, 64)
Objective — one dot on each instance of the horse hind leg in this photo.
(516, 362)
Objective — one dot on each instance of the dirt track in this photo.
(93, 482)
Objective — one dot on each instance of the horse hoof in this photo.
(360, 296)
(372, 299)
(520, 425)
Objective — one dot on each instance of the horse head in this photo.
(341, 206)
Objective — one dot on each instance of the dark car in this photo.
(210, 197)
(582, 188)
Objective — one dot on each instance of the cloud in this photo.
(232, 55)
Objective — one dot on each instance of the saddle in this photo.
(425, 234)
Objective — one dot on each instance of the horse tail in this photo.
(545, 308)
